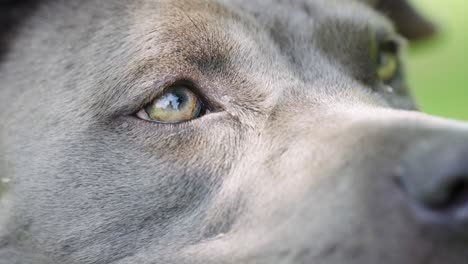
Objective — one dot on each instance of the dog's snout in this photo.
(434, 174)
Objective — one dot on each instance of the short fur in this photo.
(294, 163)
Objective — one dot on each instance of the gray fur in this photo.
(293, 165)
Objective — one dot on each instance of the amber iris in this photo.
(175, 105)
(387, 63)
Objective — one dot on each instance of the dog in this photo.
(222, 131)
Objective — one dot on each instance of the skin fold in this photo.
(296, 161)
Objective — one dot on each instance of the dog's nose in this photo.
(435, 175)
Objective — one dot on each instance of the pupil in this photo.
(382, 59)
(177, 101)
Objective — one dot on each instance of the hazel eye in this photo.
(176, 105)
(387, 63)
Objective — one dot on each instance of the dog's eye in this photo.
(177, 104)
(387, 66)
(387, 62)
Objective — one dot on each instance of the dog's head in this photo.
(233, 131)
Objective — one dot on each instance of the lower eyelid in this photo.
(147, 129)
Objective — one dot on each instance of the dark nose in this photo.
(435, 175)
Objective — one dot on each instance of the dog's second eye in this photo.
(177, 104)
(387, 63)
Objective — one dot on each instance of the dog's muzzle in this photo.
(434, 174)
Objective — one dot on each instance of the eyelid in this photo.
(151, 92)
(385, 36)
(143, 115)
(395, 44)
(141, 93)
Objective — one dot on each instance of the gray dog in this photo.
(222, 131)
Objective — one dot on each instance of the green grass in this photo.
(438, 69)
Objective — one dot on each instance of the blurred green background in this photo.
(438, 69)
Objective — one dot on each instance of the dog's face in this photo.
(234, 131)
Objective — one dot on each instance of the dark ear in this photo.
(12, 13)
(408, 21)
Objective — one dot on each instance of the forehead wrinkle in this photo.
(197, 33)
(166, 43)
(190, 31)
(171, 40)
(292, 24)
